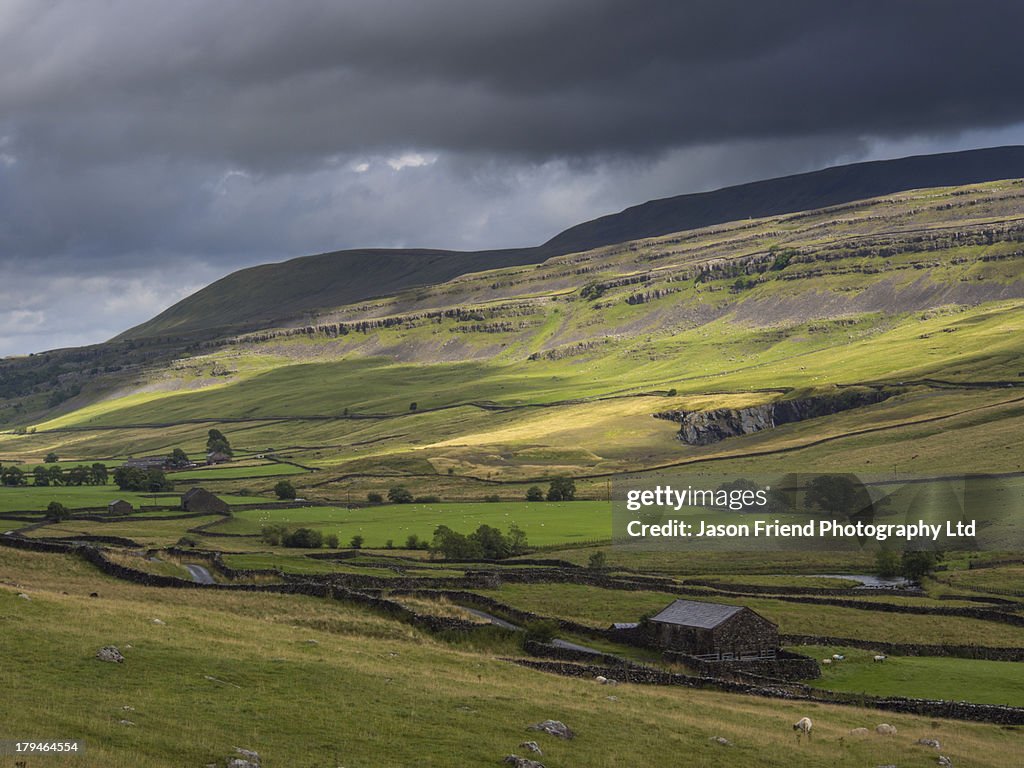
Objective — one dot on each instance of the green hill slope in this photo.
(505, 377)
(290, 290)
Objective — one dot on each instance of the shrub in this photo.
(534, 493)
(412, 542)
(57, 511)
(596, 561)
(374, 498)
(562, 489)
(492, 498)
(304, 538)
(273, 534)
(389, 544)
(187, 541)
(540, 631)
(284, 490)
(399, 494)
(427, 499)
(331, 541)
(357, 542)
(52, 458)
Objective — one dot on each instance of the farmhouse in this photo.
(216, 457)
(201, 500)
(120, 507)
(713, 631)
(147, 462)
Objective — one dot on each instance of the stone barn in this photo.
(120, 507)
(201, 500)
(713, 631)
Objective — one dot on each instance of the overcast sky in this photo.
(148, 148)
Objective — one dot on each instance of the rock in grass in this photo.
(933, 743)
(721, 740)
(110, 653)
(532, 746)
(247, 758)
(521, 762)
(945, 762)
(553, 728)
(158, 621)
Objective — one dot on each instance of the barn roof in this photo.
(692, 613)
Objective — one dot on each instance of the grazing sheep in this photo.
(859, 732)
(838, 657)
(826, 661)
(601, 679)
(803, 727)
(880, 657)
(884, 729)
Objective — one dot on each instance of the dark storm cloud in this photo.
(140, 137)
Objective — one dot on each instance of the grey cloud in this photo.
(149, 147)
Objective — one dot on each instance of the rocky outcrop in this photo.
(707, 427)
(110, 653)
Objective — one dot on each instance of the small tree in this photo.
(562, 489)
(492, 498)
(389, 544)
(357, 542)
(179, 459)
(57, 511)
(412, 541)
(217, 442)
(52, 458)
(331, 541)
(534, 493)
(285, 490)
(887, 563)
(304, 538)
(413, 406)
(41, 475)
(399, 495)
(915, 565)
(273, 534)
(596, 561)
(374, 498)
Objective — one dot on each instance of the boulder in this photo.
(23, 596)
(553, 728)
(945, 762)
(110, 653)
(721, 740)
(532, 746)
(521, 762)
(247, 758)
(933, 743)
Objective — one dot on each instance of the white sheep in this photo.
(859, 732)
(884, 729)
(826, 661)
(880, 658)
(838, 657)
(601, 679)
(803, 727)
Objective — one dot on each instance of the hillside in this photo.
(291, 290)
(505, 377)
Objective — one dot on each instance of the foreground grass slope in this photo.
(403, 699)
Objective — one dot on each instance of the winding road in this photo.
(199, 574)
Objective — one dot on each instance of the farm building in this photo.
(147, 462)
(216, 457)
(201, 500)
(120, 507)
(713, 631)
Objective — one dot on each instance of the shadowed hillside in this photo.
(270, 293)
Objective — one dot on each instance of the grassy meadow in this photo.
(231, 670)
